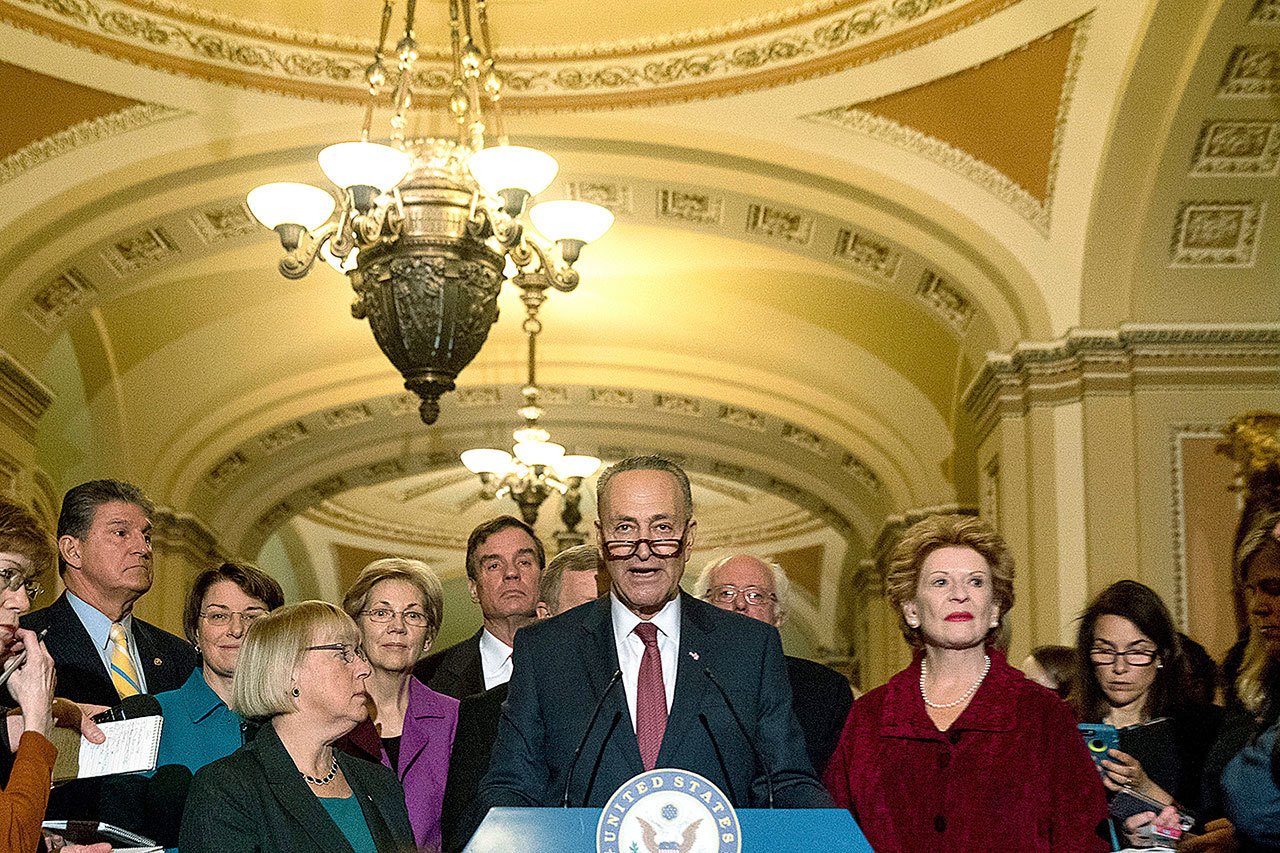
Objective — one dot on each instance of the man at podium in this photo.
(648, 676)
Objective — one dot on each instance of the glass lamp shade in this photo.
(365, 164)
(539, 452)
(287, 203)
(486, 461)
(577, 466)
(512, 167)
(571, 220)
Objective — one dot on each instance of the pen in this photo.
(18, 660)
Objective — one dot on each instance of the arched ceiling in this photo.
(827, 215)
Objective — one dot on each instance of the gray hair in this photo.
(781, 584)
(81, 503)
(579, 558)
(647, 463)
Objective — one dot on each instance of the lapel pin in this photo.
(158, 662)
(693, 655)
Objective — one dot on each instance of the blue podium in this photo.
(574, 830)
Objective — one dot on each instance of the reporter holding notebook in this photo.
(301, 674)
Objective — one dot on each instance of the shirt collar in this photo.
(493, 652)
(624, 621)
(95, 621)
(199, 696)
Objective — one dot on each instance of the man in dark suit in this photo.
(504, 563)
(103, 653)
(760, 590)
(666, 671)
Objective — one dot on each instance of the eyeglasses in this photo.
(381, 615)
(220, 618)
(14, 581)
(728, 594)
(621, 549)
(346, 651)
(1133, 657)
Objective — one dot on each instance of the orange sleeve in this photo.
(24, 800)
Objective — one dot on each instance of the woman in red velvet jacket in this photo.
(960, 751)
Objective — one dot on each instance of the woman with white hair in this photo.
(301, 673)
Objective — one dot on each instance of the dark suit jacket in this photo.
(822, 698)
(563, 667)
(455, 671)
(478, 718)
(255, 800)
(166, 660)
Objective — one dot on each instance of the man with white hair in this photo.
(759, 589)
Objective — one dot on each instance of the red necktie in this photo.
(651, 697)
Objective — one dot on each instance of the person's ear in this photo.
(542, 610)
(689, 534)
(471, 589)
(911, 615)
(69, 548)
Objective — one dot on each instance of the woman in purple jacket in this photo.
(398, 605)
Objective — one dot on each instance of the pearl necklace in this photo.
(328, 777)
(968, 694)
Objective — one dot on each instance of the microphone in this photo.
(751, 742)
(166, 795)
(130, 708)
(595, 715)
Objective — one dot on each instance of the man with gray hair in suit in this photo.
(759, 589)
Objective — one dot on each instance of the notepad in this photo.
(131, 747)
(93, 832)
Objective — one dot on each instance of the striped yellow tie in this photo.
(123, 675)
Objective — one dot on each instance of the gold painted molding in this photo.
(1115, 362)
(689, 67)
(84, 133)
(183, 532)
(23, 397)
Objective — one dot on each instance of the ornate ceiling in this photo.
(828, 215)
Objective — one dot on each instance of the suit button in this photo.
(954, 737)
(944, 760)
(940, 823)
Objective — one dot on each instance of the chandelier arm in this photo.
(297, 264)
(563, 278)
(343, 240)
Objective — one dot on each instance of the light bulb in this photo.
(365, 164)
(539, 452)
(486, 461)
(287, 203)
(571, 220)
(512, 167)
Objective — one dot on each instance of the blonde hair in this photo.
(274, 647)
(415, 572)
(1251, 680)
(949, 531)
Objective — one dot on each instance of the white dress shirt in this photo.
(631, 648)
(495, 660)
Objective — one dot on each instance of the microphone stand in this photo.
(595, 715)
(768, 774)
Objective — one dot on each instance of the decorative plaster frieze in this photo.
(283, 436)
(855, 466)
(474, 398)
(1115, 362)
(617, 197)
(742, 418)
(801, 437)
(345, 416)
(224, 471)
(945, 299)
(677, 404)
(223, 222)
(1238, 148)
(137, 252)
(787, 225)
(179, 531)
(23, 397)
(60, 298)
(1217, 234)
(787, 45)
(686, 206)
(1266, 13)
(868, 253)
(85, 133)
(1253, 71)
(614, 398)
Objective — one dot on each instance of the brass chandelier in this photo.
(428, 228)
(536, 466)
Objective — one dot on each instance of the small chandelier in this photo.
(426, 227)
(536, 466)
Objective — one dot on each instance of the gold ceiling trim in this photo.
(991, 179)
(84, 133)
(808, 49)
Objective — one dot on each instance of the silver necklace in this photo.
(968, 694)
(328, 777)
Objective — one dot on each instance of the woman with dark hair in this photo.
(1053, 667)
(199, 725)
(960, 751)
(1134, 676)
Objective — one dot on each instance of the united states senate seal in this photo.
(668, 811)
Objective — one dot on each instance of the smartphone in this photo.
(1099, 738)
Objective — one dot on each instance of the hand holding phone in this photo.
(1100, 738)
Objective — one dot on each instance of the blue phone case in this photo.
(1099, 737)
